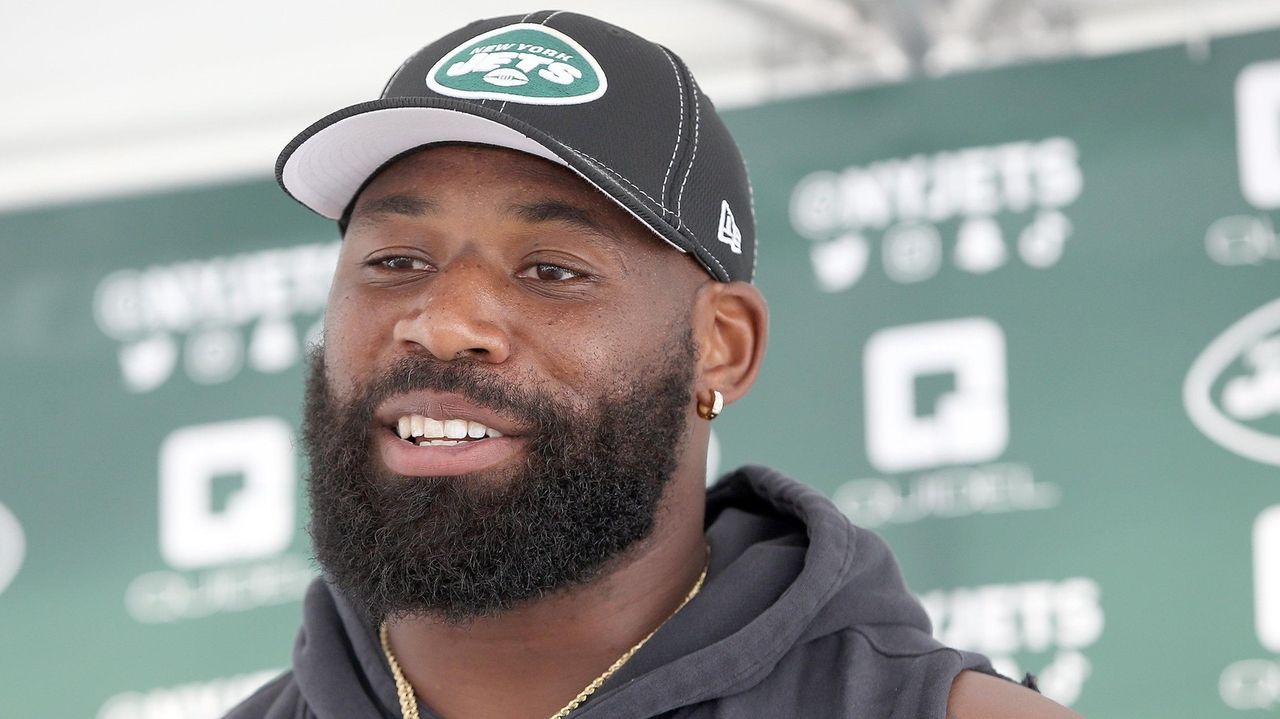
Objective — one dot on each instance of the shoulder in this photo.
(975, 695)
(277, 698)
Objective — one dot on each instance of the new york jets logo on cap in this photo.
(525, 63)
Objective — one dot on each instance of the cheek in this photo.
(350, 332)
(615, 350)
(572, 354)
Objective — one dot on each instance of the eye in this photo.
(400, 262)
(548, 272)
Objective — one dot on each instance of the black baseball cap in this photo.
(622, 112)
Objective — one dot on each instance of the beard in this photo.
(463, 547)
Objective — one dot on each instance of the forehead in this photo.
(436, 170)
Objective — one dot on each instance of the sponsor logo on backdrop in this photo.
(13, 547)
(1258, 133)
(1232, 391)
(226, 521)
(1255, 683)
(198, 529)
(193, 700)
(1241, 240)
(967, 420)
(1042, 627)
(987, 204)
(525, 63)
(937, 417)
(212, 318)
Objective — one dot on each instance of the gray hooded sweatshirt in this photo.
(802, 615)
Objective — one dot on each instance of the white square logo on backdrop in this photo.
(964, 420)
(1258, 133)
(226, 492)
(1266, 577)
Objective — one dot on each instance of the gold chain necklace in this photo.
(409, 702)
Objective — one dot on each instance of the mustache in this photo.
(468, 378)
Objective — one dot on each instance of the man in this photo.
(542, 299)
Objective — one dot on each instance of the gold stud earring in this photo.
(710, 412)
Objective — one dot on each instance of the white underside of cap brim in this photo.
(327, 170)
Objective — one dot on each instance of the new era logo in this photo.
(728, 232)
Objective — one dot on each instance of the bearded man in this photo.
(542, 299)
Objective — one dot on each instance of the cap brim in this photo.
(328, 163)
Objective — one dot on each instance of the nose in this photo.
(458, 315)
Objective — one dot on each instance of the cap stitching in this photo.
(686, 228)
(697, 116)
(697, 123)
(503, 106)
(620, 176)
(713, 257)
(666, 179)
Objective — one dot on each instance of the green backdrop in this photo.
(1025, 323)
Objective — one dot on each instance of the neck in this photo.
(531, 661)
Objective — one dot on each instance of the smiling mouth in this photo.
(430, 432)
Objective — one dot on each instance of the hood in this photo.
(787, 567)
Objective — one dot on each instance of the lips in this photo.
(441, 434)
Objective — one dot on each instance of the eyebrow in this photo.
(557, 211)
(540, 211)
(398, 204)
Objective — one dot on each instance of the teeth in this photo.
(455, 428)
(433, 428)
(445, 431)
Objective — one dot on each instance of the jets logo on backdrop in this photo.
(525, 63)
(1232, 392)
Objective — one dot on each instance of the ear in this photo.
(731, 326)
